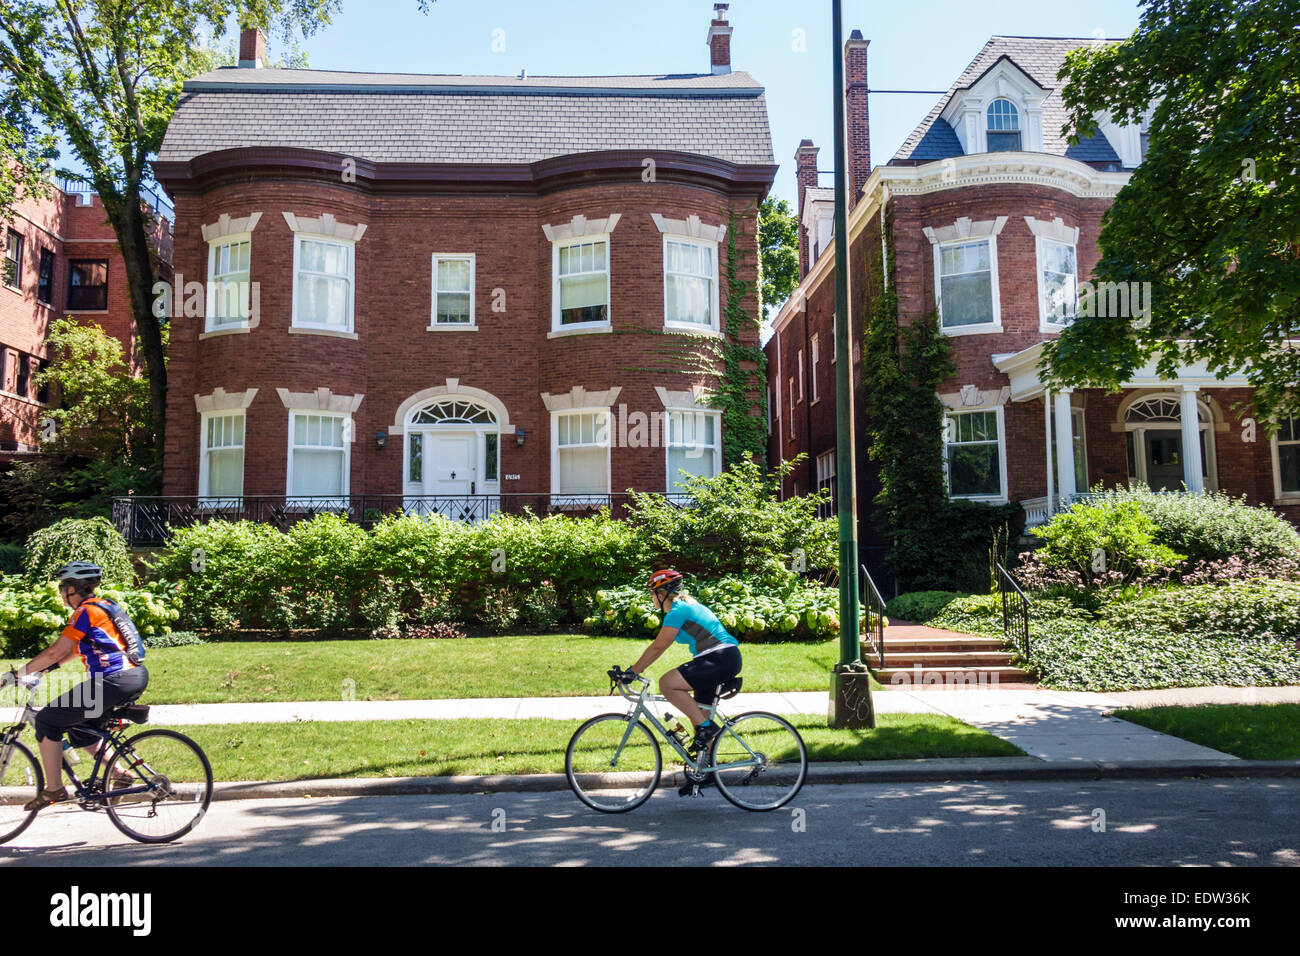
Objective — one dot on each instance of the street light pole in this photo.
(851, 704)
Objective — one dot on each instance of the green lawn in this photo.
(545, 665)
(1249, 731)
(417, 748)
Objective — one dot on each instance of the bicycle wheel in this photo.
(171, 786)
(760, 763)
(613, 765)
(20, 780)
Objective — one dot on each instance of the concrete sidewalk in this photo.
(1056, 727)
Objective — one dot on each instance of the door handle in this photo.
(453, 476)
(472, 488)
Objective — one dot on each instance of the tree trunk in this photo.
(128, 221)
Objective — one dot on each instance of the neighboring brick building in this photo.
(61, 258)
(454, 288)
(994, 220)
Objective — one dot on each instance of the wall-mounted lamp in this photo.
(381, 439)
(519, 437)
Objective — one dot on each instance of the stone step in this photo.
(941, 677)
(927, 645)
(898, 657)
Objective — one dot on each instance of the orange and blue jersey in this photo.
(102, 648)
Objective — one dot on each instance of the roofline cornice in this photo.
(379, 89)
(212, 169)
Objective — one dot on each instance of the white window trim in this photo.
(1281, 497)
(816, 358)
(213, 244)
(716, 447)
(1001, 498)
(434, 324)
(555, 450)
(351, 245)
(1017, 111)
(293, 501)
(218, 500)
(792, 434)
(985, 327)
(1044, 323)
(801, 392)
(714, 325)
(577, 327)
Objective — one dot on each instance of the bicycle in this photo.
(613, 762)
(155, 786)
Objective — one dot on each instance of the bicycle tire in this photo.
(179, 779)
(593, 758)
(784, 768)
(22, 779)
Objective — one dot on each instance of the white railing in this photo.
(1037, 512)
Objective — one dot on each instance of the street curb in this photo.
(965, 769)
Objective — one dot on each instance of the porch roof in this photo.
(1026, 384)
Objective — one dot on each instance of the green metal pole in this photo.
(851, 704)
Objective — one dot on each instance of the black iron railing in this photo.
(1015, 611)
(875, 623)
(146, 521)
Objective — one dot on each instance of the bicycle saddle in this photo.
(130, 710)
(729, 689)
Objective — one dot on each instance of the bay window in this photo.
(581, 289)
(228, 286)
(694, 446)
(690, 284)
(966, 276)
(221, 460)
(1057, 282)
(318, 454)
(974, 456)
(322, 284)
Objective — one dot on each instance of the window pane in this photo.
(453, 308)
(226, 472)
(1289, 462)
(323, 257)
(970, 257)
(580, 291)
(322, 301)
(967, 300)
(453, 275)
(973, 470)
(491, 443)
(582, 471)
(416, 459)
(1289, 430)
(689, 300)
(317, 472)
(1004, 142)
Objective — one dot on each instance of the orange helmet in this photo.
(668, 580)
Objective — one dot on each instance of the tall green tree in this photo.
(778, 244)
(1211, 218)
(105, 75)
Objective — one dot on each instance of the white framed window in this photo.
(580, 293)
(816, 358)
(319, 455)
(801, 375)
(1286, 460)
(826, 480)
(453, 292)
(1057, 283)
(1003, 126)
(580, 452)
(690, 283)
(221, 454)
(792, 406)
(322, 283)
(694, 445)
(228, 282)
(974, 455)
(966, 283)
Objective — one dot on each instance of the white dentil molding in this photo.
(580, 226)
(321, 399)
(579, 397)
(1056, 230)
(965, 228)
(691, 226)
(222, 401)
(325, 225)
(226, 225)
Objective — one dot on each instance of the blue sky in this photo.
(915, 45)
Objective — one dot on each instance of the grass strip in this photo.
(1249, 731)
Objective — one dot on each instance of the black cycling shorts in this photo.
(86, 703)
(705, 673)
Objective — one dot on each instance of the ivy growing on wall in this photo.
(739, 370)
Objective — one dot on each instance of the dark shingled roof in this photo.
(412, 118)
(1041, 58)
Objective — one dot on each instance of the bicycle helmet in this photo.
(666, 580)
(80, 571)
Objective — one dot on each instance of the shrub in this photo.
(1102, 543)
(226, 574)
(31, 616)
(174, 639)
(1211, 526)
(953, 546)
(737, 524)
(78, 539)
(920, 606)
(499, 610)
(433, 632)
(540, 610)
(11, 558)
(1254, 610)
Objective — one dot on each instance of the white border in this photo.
(715, 325)
(434, 324)
(290, 500)
(1002, 457)
(576, 327)
(1281, 497)
(203, 454)
(1043, 324)
(555, 450)
(996, 325)
(351, 246)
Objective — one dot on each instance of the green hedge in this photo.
(78, 539)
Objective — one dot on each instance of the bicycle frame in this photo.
(695, 766)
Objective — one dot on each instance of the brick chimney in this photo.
(855, 114)
(252, 49)
(720, 40)
(805, 172)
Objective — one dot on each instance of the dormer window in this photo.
(1004, 127)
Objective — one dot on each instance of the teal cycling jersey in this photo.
(697, 627)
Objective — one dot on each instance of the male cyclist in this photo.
(715, 654)
(102, 633)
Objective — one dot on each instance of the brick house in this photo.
(994, 221)
(61, 258)
(454, 291)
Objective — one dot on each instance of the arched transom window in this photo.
(1161, 410)
(453, 411)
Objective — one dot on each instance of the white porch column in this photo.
(1064, 447)
(1047, 420)
(1191, 421)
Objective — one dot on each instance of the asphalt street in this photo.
(1232, 822)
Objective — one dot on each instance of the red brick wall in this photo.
(395, 357)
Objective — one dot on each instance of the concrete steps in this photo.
(919, 656)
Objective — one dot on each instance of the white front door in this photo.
(453, 461)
